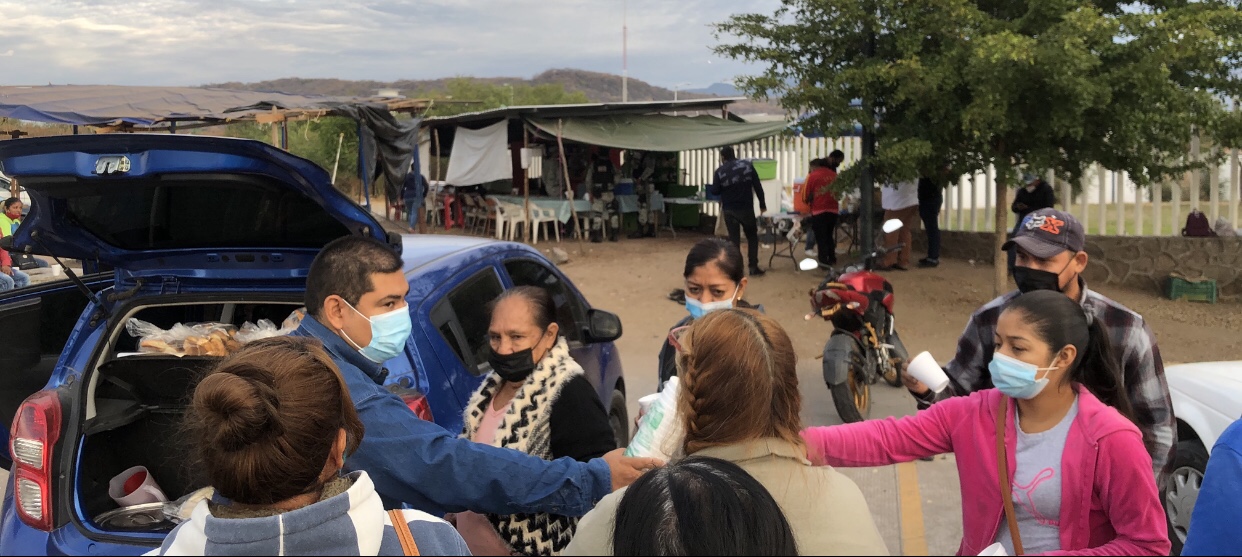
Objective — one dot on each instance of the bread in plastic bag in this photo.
(661, 431)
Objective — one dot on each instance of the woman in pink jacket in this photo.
(1079, 471)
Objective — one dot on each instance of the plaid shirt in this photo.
(1142, 368)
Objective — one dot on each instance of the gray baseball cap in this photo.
(1048, 232)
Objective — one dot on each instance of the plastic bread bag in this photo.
(251, 332)
(152, 339)
(292, 322)
(661, 430)
(207, 339)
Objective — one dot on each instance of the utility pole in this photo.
(625, 58)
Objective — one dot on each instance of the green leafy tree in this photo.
(1046, 84)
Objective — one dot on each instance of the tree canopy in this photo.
(1047, 84)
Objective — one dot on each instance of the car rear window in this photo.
(239, 212)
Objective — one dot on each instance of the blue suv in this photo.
(201, 229)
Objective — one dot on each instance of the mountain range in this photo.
(597, 86)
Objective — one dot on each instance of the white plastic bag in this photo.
(661, 431)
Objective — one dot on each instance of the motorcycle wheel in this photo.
(898, 358)
(853, 397)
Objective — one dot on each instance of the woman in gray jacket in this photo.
(271, 427)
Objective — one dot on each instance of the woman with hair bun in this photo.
(271, 427)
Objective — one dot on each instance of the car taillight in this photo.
(418, 403)
(36, 428)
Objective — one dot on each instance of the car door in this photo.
(460, 318)
(35, 324)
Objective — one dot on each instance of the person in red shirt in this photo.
(824, 207)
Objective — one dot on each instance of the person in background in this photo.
(272, 426)
(738, 401)
(356, 305)
(1214, 521)
(1077, 468)
(10, 219)
(662, 513)
(1050, 246)
(901, 202)
(824, 207)
(931, 197)
(714, 281)
(734, 181)
(11, 277)
(1035, 195)
(414, 192)
(536, 400)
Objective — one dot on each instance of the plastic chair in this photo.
(491, 216)
(469, 212)
(541, 216)
(434, 206)
(511, 216)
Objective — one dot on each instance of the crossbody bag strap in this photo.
(1002, 467)
(408, 547)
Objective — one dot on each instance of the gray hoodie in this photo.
(352, 523)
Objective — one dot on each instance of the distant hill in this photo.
(598, 87)
(718, 89)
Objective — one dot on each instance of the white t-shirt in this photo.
(899, 196)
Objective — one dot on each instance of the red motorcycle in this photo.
(864, 346)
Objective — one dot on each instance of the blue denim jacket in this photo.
(421, 464)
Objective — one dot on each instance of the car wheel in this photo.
(618, 415)
(1183, 489)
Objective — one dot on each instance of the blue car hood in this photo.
(206, 207)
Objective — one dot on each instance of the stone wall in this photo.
(1137, 261)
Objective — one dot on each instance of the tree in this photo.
(1045, 84)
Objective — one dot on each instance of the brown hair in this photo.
(739, 380)
(264, 420)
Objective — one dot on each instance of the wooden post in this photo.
(526, 182)
(1000, 262)
(569, 188)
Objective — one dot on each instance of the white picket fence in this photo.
(1109, 202)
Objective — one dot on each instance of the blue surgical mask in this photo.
(698, 309)
(1016, 378)
(389, 332)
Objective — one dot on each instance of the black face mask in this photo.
(515, 367)
(1030, 280)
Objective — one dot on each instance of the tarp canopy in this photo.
(480, 156)
(109, 105)
(657, 132)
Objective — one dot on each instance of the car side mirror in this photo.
(891, 226)
(396, 242)
(602, 326)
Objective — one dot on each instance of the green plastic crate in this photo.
(1197, 291)
(766, 168)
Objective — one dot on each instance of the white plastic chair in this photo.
(541, 216)
(509, 217)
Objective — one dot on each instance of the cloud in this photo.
(189, 42)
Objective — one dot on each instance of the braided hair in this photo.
(739, 381)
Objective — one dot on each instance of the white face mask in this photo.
(698, 309)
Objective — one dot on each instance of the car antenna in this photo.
(86, 291)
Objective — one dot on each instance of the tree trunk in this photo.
(1000, 260)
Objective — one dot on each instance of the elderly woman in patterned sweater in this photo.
(536, 400)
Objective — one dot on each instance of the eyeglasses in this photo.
(675, 336)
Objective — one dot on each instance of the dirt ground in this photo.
(633, 277)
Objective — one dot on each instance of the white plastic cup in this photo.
(644, 404)
(127, 489)
(994, 550)
(925, 368)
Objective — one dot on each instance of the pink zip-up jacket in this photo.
(1109, 502)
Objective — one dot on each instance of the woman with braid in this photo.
(740, 402)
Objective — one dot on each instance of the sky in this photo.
(194, 42)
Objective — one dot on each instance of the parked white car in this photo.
(1207, 398)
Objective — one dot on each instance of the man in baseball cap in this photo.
(1050, 245)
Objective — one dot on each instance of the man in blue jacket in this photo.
(355, 302)
(734, 182)
(1214, 522)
